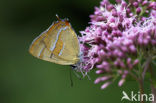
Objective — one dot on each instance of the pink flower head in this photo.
(115, 38)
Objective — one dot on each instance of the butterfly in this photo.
(58, 44)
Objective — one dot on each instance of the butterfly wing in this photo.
(70, 44)
(59, 44)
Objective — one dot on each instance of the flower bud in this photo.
(138, 10)
(105, 85)
(135, 4)
(145, 2)
(135, 62)
(99, 71)
(121, 82)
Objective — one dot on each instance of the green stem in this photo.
(141, 87)
(146, 66)
(153, 92)
(153, 89)
(140, 82)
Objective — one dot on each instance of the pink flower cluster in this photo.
(117, 36)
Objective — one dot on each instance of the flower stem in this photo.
(153, 88)
(142, 77)
(146, 66)
(153, 92)
(141, 87)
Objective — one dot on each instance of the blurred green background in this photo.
(25, 79)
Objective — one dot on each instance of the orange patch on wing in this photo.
(67, 23)
(58, 46)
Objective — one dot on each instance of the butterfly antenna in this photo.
(67, 19)
(58, 17)
(71, 79)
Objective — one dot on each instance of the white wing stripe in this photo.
(53, 47)
(40, 52)
(61, 50)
